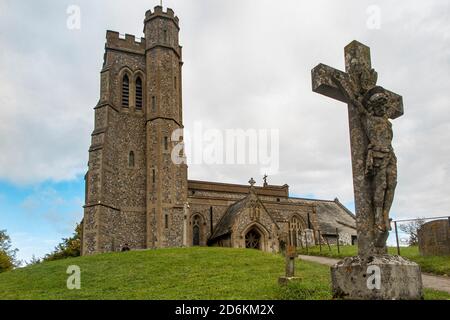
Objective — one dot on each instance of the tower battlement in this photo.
(127, 42)
(159, 12)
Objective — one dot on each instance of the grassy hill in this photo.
(195, 273)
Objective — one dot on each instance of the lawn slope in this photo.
(194, 273)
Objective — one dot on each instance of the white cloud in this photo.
(247, 65)
(30, 245)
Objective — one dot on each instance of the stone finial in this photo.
(252, 182)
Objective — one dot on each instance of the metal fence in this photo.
(397, 237)
(401, 238)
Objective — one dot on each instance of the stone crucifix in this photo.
(373, 159)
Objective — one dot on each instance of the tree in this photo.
(8, 259)
(69, 247)
(33, 261)
(412, 229)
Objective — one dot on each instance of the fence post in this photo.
(328, 244)
(337, 241)
(396, 237)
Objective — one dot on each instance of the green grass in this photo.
(195, 273)
(439, 265)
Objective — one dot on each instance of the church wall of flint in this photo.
(116, 198)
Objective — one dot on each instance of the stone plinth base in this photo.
(380, 277)
(284, 281)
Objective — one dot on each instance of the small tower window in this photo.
(154, 176)
(131, 159)
(165, 35)
(139, 93)
(153, 104)
(166, 222)
(166, 143)
(175, 82)
(125, 91)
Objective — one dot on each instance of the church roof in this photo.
(332, 215)
(225, 224)
(269, 190)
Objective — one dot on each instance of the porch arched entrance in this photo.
(253, 239)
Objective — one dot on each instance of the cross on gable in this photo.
(322, 82)
(252, 182)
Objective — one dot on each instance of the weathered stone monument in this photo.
(373, 274)
(291, 255)
(434, 238)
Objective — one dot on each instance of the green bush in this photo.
(5, 262)
(68, 248)
(7, 254)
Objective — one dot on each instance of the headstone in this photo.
(434, 238)
(373, 274)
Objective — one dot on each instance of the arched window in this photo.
(196, 225)
(131, 159)
(295, 232)
(125, 91)
(139, 93)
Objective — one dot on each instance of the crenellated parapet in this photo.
(128, 42)
(158, 12)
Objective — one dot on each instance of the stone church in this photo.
(137, 197)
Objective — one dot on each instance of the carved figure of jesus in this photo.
(381, 162)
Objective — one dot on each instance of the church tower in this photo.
(135, 194)
(166, 178)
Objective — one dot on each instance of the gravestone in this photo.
(434, 238)
(373, 274)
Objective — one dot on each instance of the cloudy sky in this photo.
(247, 66)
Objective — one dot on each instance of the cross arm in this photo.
(322, 83)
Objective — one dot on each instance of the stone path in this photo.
(429, 281)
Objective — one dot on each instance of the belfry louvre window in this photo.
(125, 91)
(139, 93)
